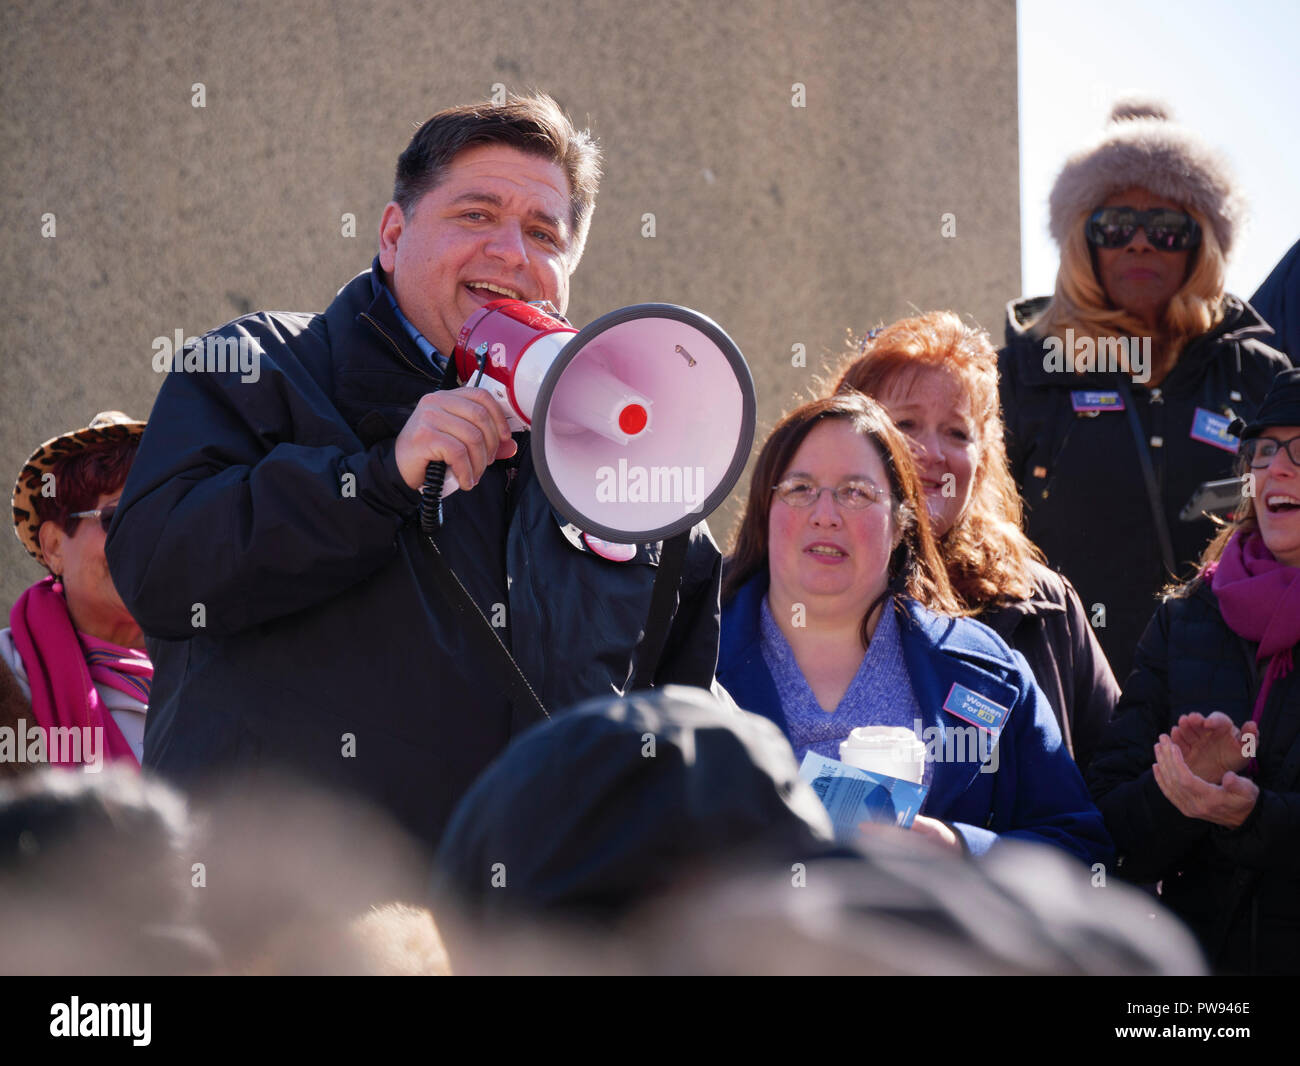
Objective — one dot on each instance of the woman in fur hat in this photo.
(1119, 388)
(74, 678)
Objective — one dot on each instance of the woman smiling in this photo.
(1215, 815)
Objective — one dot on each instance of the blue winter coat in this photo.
(1036, 792)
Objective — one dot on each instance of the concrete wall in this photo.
(787, 224)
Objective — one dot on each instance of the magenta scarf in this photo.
(1259, 598)
(62, 683)
(125, 669)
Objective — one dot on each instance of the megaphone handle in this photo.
(436, 472)
(431, 497)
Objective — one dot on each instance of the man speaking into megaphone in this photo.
(268, 538)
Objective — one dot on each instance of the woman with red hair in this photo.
(938, 379)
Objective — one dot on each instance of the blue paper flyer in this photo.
(852, 796)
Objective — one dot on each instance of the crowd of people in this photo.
(1015, 546)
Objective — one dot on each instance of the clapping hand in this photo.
(1228, 802)
(1213, 746)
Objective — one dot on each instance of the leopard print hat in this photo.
(107, 427)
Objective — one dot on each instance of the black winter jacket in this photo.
(267, 545)
(1085, 497)
(1051, 630)
(1238, 889)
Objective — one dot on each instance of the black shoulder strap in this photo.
(663, 604)
(1149, 476)
(497, 662)
(500, 665)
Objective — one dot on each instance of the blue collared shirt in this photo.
(436, 359)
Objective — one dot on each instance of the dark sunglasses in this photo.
(104, 514)
(1167, 230)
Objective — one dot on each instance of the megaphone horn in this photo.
(643, 420)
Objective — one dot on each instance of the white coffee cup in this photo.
(885, 749)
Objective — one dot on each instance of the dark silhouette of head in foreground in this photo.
(587, 815)
(664, 832)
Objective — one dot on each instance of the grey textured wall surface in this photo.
(787, 224)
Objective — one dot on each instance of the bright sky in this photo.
(1230, 71)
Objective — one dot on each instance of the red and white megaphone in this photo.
(642, 421)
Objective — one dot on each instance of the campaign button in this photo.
(1089, 400)
(1211, 428)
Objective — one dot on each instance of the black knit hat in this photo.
(589, 821)
(1281, 407)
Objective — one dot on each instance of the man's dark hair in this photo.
(533, 124)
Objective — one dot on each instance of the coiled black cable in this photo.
(436, 472)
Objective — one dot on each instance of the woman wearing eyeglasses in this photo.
(1118, 390)
(72, 664)
(1199, 774)
(837, 613)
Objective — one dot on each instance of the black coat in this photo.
(1238, 889)
(1086, 502)
(1051, 630)
(1278, 302)
(276, 505)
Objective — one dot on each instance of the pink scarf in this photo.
(63, 691)
(1259, 598)
(125, 669)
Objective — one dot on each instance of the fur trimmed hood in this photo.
(1143, 146)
